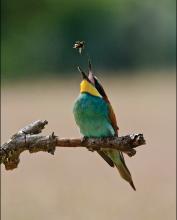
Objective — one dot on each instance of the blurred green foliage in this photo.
(37, 36)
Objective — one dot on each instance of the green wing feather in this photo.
(115, 155)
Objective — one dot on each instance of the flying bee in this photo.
(79, 45)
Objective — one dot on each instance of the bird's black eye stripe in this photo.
(99, 88)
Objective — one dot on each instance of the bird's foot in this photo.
(84, 139)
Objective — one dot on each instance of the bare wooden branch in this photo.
(28, 139)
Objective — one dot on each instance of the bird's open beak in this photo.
(91, 75)
(83, 74)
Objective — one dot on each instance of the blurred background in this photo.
(37, 36)
(133, 50)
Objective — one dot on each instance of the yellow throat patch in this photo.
(85, 86)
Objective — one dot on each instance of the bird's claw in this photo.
(84, 139)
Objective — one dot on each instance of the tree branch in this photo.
(28, 139)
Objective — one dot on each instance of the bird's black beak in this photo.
(90, 65)
(84, 76)
(91, 75)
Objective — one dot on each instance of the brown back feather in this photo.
(112, 115)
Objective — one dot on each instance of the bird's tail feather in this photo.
(123, 170)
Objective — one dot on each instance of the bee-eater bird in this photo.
(95, 117)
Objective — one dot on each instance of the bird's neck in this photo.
(87, 87)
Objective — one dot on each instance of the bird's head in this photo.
(90, 83)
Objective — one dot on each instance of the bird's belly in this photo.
(95, 128)
(91, 115)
